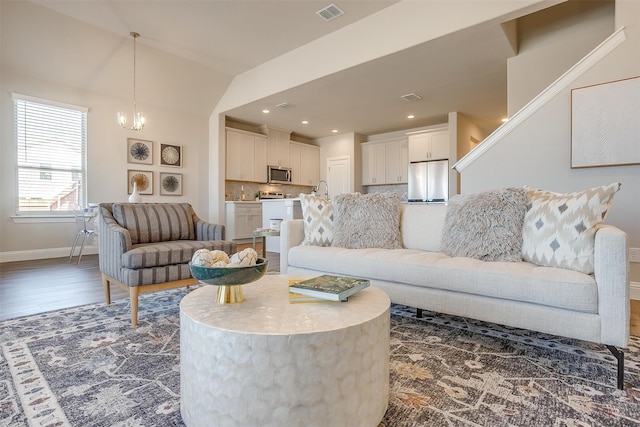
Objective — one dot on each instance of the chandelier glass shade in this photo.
(138, 117)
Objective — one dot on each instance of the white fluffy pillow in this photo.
(486, 226)
(317, 215)
(367, 221)
(559, 229)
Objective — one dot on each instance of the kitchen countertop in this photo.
(294, 199)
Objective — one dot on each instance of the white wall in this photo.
(347, 144)
(23, 70)
(551, 41)
(538, 152)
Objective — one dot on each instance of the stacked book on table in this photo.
(326, 288)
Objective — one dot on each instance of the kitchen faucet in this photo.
(326, 188)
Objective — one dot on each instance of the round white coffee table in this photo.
(266, 362)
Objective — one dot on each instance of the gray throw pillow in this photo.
(486, 226)
(367, 221)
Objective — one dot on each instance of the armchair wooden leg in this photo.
(107, 289)
(133, 296)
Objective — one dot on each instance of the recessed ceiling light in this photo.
(265, 111)
(305, 122)
(335, 131)
(411, 116)
(506, 119)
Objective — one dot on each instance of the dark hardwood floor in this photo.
(31, 287)
(38, 286)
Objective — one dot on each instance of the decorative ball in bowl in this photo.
(229, 276)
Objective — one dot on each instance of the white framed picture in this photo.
(139, 151)
(144, 180)
(171, 155)
(170, 184)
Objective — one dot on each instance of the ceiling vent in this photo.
(285, 105)
(330, 12)
(411, 97)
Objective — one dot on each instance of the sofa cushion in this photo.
(317, 215)
(367, 220)
(155, 222)
(486, 225)
(169, 253)
(421, 226)
(559, 229)
(516, 281)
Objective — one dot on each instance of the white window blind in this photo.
(51, 141)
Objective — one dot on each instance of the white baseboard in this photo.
(44, 253)
(634, 290)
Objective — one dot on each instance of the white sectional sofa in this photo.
(591, 307)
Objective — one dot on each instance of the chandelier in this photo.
(138, 118)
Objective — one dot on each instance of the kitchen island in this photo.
(280, 208)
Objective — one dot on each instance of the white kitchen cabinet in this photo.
(294, 161)
(260, 158)
(397, 155)
(278, 148)
(246, 156)
(241, 219)
(305, 163)
(374, 163)
(309, 165)
(430, 145)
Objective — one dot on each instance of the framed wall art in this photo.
(171, 155)
(170, 184)
(605, 124)
(139, 151)
(144, 180)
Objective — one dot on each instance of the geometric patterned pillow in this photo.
(317, 215)
(559, 229)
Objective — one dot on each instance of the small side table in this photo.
(263, 234)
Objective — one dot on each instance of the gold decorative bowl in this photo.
(228, 279)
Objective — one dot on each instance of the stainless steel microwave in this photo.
(278, 175)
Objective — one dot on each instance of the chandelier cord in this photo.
(135, 110)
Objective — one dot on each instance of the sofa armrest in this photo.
(114, 241)
(611, 271)
(291, 234)
(208, 231)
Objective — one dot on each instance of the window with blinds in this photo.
(51, 142)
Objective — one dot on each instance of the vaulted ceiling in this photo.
(464, 72)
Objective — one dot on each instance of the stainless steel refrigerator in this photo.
(429, 181)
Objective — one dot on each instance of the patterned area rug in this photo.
(87, 367)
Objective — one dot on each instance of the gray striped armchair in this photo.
(146, 247)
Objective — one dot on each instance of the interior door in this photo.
(338, 175)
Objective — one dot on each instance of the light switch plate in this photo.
(634, 255)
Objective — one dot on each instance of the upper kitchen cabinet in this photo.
(397, 153)
(305, 163)
(246, 156)
(309, 164)
(374, 166)
(278, 147)
(429, 145)
(385, 162)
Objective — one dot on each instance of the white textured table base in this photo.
(265, 362)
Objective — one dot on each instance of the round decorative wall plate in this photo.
(170, 155)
